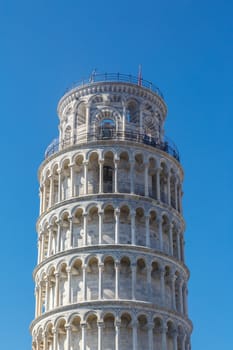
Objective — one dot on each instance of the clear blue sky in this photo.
(186, 48)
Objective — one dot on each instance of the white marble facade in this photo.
(111, 273)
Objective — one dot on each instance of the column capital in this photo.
(44, 333)
(162, 270)
(54, 330)
(117, 323)
(134, 324)
(67, 327)
(68, 269)
(83, 324)
(150, 325)
(101, 265)
(117, 211)
(117, 263)
(100, 324)
(84, 266)
(132, 212)
(164, 328)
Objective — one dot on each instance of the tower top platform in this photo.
(115, 79)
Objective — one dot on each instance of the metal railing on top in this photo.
(117, 77)
(109, 134)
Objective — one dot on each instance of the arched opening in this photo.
(139, 175)
(140, 231)
(157, 333)
(125, 279)
(79, 176)
(55, 185)
(109, 278)
(49, 336)
(65, 181)
(155, 283)
(163, 183)
(108, 172)
(63, 285)
(76, 334)
(92, 279)
(124, 173)
(78, 231)
(126, 333)
(92, 333)
(170, 335)
(51, 291)
(141, 280)
(61, 335)
(132, 112)
(65, 232)
(42, 301)
(92, 226)
(108, 229)
(152, 183)
(77, 282)
(80, 119)
(173, 189)
(168, 289)
(165, 230)
(142, 333)
(109, 332)
(107, 127)
(154, 237)
(124, 225)
(93, 174)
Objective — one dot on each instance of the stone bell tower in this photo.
(111, 273)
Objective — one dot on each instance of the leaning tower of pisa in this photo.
(111, 273)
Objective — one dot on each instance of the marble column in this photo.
(100, 334)
(117, 265)
(132, 176)
(158, 183)
(100, 289)
(132, 214)
(84, 283)
(68, 334)
(101, 164)
(57, 301)
(135, 335)
(159, 222)
(147, 218)
(117, 215)
(68, 270)
(116, 175)
(85, 164)
(134, 271)
(100, 213)
(146, 167)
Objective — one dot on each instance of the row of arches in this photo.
(112, 332)
(111, 278)
(110, 173)
(125, 114)
(108, 224)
